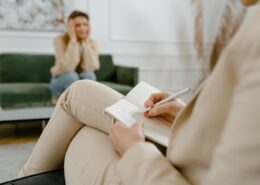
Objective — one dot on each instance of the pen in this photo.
(170, 98)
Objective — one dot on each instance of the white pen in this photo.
(170, 98)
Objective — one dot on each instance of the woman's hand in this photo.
(72, 29)
(87, 40)
(124, 138)
(167, 111)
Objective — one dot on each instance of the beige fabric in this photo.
(74, 109)
(73, 56)
(91, 159)
(215, 140)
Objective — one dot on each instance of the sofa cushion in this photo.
(107, 69)
(123, 89)
(19, 95)
(25, 67)
(22, 95)
(24, 79)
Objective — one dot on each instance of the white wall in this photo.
(156, 36)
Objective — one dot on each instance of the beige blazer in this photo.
(73, 56)
(216, 138)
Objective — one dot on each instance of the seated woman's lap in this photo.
(60, 83)
(88, 75)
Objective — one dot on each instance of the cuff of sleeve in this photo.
(89, 46)
(73, 42)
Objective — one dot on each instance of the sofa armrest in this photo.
(126, 75)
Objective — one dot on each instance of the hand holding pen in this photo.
(165, 104)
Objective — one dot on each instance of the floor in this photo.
(16, 144)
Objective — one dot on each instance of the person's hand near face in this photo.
(71, 29)
(82, 28)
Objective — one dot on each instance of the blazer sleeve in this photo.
(90, 56)
(143, 164)
(67, 57)
(236, 159)
(237, 156)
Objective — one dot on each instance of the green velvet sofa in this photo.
(24, 79)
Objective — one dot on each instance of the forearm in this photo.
(69, 58)
(90, 57)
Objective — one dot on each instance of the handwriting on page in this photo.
(126, 112)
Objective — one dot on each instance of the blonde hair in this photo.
(198, 34)
(231, 20)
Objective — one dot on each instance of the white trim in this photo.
(27, 34)
(25, 51)
(171, 69)
(26, 114)
(119, 39)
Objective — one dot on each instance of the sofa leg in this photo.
(44, 123)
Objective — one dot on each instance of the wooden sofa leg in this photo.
(44, 123)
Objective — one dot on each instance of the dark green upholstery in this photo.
(107, 71)
(25, 68)
(24, 78)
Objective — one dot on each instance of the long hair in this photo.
(231, 20)
(198, 34)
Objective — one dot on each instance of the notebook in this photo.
(131, 109)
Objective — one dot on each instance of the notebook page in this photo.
(155, 129)
(125, 112)
(140, 93)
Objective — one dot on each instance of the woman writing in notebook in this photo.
(214, 140)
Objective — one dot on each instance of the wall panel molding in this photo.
(27, 34)
(146, 22)
(166, 59)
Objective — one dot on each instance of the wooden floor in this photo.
(13, 133)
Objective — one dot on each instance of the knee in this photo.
(89, 75)
(81, 90)
(88, 88)
(72, 77)
(83, 85)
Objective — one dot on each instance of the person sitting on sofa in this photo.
(76, 54)
(214, 140)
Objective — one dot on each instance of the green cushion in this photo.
(25, 67)
(24, 79)
(127, 75)
(20, 95)
(107, 69)
(123, 89)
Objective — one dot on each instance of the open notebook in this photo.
(131, 108)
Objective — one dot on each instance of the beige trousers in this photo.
(77, 133)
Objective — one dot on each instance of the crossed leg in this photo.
(81, 105)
